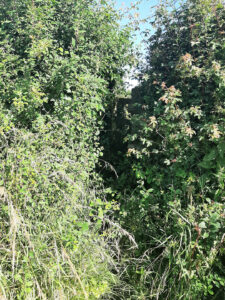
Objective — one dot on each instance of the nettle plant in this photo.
(58, 62)
(177, 150)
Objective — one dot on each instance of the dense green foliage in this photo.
(60, 63)
(103, 197)
(171, 180)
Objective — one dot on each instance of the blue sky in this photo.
(143, 9)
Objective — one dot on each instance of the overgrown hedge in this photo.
(60, 62)
(171, 180)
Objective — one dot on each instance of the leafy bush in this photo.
(56, 85)
(176, 151)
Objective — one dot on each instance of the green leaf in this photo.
(202, 225)
(84, 226)
(181, 173)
